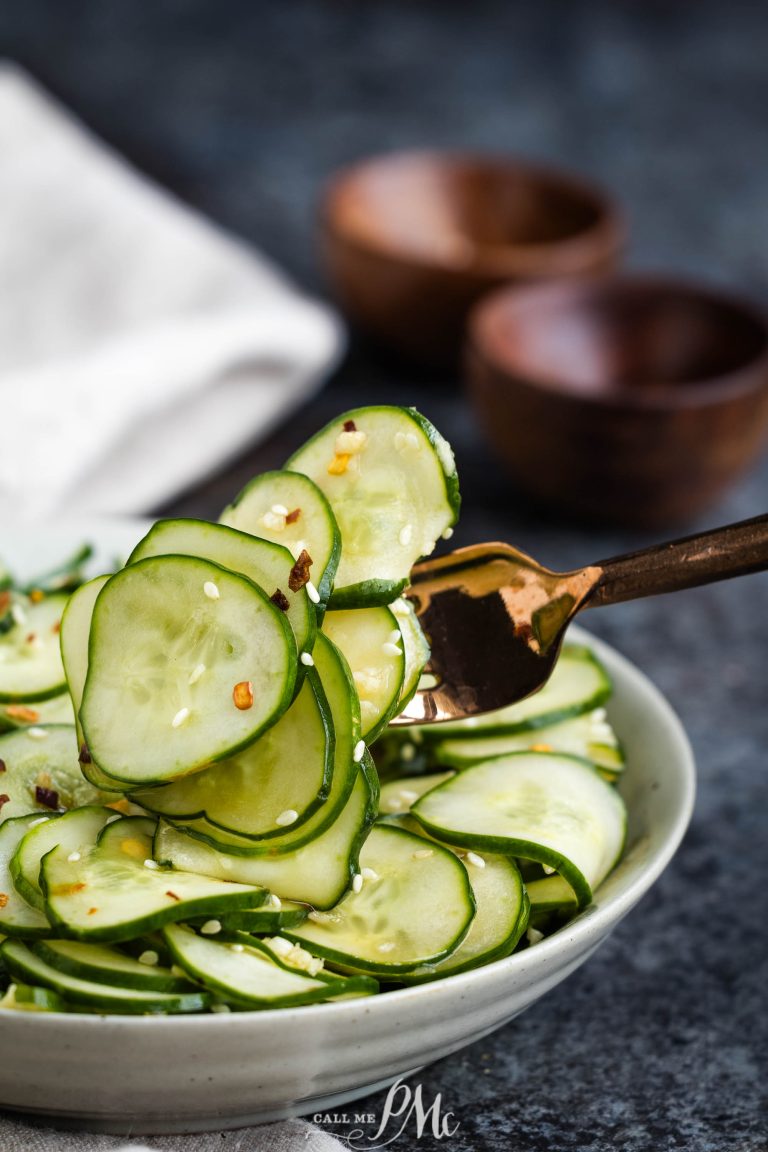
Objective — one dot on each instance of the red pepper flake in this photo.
(48, 797)
(31, 638)
(3, 899)
(21, 712)
(4, 800)
(2, 765)
(85, 756)
(173, 895)
(36, 595)
(91, 911)
(242, 694)
(56, 628)
(299, 574)
(280, 599)
(350, 426)
(5, 601)
(292, 517)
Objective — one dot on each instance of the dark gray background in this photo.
(244, 109)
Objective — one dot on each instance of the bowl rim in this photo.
(605, 237)
(594, 922)
(703, 392)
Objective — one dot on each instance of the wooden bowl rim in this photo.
(606, 236)
(703, 392)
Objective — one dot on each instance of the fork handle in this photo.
(734, 550)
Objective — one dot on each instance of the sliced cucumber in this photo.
(318, 872)
(74, 833)
(30, 659)
(25, 965)
(413, 906)
(269, 565)
(23, 714)
(115, 891)
(289, 509)
(256, 921)
(578, 684)
(27, 998)
(398, 796)
(371, 642)
(415, 646)
(17, 916)
(278, 782)
(391, 481)
(110, 966)
(171, 639)
(75, 631)
(337, 681)
(550, 894)
(543, 806)
(588, 736)
(41, 772)
(244, 971)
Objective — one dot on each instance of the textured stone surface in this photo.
(245, 108)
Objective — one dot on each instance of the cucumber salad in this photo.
(203, 804)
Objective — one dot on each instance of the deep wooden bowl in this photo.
(631, 399)
(412, 240)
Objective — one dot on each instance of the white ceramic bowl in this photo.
(153, 1074)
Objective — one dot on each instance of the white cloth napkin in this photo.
(288, 1136)
(140, 346)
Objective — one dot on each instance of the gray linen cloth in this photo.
(288, 1136)
(140, 346)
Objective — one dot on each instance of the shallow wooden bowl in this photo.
(412, 240)
(631, 399)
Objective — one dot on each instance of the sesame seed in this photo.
(152, 865)
(196, 673)
(73, 857)
(297, 548)
(359, 751)
(533, 936)
(18, 614)
(319, 917)
(220, 1008)
(475, 860)
(37, 733)
(390, 649)
(312, 592)
(279, 509)
(369, 874)
(547, 870)
(275, 902)
(395, 636)
(237, 947)
(408, 796)
(211, 590)
(211, 927)
(273, 521)
(350, 443)
(407, 752)
(447, 534)
(150, 958)
(599, 714)
(405, 535)
(423, 853)
(180, 717)
(388, 946)
(357, 883)
(289, 816)
(306, 659)
(280, 945)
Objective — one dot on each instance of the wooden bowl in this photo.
(632, 399)
(412, 240)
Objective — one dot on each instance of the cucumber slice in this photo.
(30, 660)
(289, 509)
(397, 796)
(17, 916)
(415, 646)
(27, 998)
(23, 714)
(75, 631)
(345, 710)
(414, 907)
(371, 642)
(74, 833)
(267, 564)
(115, 891)
(279, 781)
(578, 684)
(391, 481)
(110, 966)
(25, 965)
(500, 920)
(543, 806)
(256, 921)
(317, 873)
(589, 737)
(244, 971)
(171, 638)
(550, 894)
(41, 771)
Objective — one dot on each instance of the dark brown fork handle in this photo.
(734, 550)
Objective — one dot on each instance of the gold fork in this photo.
(495, 618)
